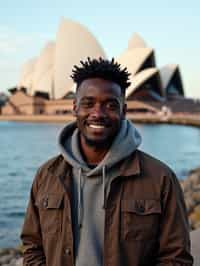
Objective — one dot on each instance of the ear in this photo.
(74, 110)
(124, 110)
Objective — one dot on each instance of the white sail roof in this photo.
(26, 75)
(167, 72)
(134, 59)
(136, 41)
(44, 70)
(140, 79)
(74, 43)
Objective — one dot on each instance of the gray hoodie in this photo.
(91, 188)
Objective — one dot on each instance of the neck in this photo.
(91, 154)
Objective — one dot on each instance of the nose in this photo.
(98, 111)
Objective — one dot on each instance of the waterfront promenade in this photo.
(174, 118)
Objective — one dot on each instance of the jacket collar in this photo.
(60, 167)
(129, 167)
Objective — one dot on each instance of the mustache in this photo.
(101, 122)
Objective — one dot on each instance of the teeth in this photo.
(96, 126)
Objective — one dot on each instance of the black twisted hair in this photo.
(101, 68)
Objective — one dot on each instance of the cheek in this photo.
(116, 117)
(80, 113)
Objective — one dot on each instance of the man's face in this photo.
(99, 108)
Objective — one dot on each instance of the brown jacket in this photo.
(145, 217)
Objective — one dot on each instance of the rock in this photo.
(13, 262)
(19, 262)
(10, 257)
(195, 247)
(195, 217)
(191, 190)
(5, 259)
(190, 203)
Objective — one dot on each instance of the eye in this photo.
(112, 105)
(87, 104)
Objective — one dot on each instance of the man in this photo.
(102, 201)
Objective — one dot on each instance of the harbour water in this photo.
(25, 146)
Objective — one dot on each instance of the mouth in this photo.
(96, 126)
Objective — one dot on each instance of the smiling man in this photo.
(102, 201)
(99, 108)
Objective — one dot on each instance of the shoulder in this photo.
(51, 163)
(155, 171)
(148, 162)
(49, 168)
(155, 178)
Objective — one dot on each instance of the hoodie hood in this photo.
(126, 142)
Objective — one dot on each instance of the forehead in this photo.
(98, 87)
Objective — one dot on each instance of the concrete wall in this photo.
(8, 110)
(58, 106)
(20, 103)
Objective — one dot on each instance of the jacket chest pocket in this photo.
(50, 213)
(140, 219)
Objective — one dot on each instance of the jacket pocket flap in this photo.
(50, 201)
(141, 206)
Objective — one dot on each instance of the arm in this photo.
(174, 240)
(31, 233)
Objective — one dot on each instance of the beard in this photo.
(99, 144)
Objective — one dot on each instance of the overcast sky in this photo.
(172, 28)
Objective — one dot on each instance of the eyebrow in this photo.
(92, 98)
(87, 98)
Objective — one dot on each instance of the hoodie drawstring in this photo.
(80, 197)
(104, 186)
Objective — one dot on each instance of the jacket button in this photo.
(141, 209)
(67, 251)
(45, 203)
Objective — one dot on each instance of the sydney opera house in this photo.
(45, 86)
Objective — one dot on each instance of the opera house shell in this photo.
(26, 77)
(44, 70)
(171, 81)
(73, 43)
(145, 79)
(136, 42)
(137, 59)
(146, 85)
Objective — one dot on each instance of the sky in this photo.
(170, 27)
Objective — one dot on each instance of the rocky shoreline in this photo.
(191, 189)
(10, 257)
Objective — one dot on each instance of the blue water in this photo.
(25, 146)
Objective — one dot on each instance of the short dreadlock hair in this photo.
(101, 68)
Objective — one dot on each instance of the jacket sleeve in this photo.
(174, 239)
(33, 253)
